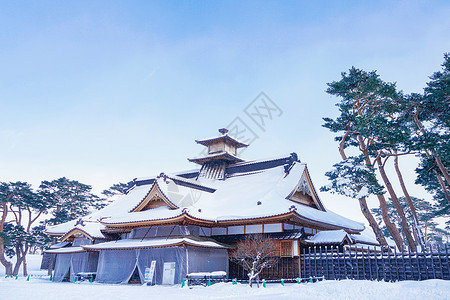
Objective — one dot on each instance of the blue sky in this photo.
(106, 91)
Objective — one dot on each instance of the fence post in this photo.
(446, 257)
(375, 255)
(369, 264)
(418, 264)
(322, 264)
(332, 263)
(396, 263)
(315, 261)
(440, 263)
(383, 266)
(304, 263)
(326, 258)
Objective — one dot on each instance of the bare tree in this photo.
(255, 253)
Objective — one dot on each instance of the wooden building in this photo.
(188, 221)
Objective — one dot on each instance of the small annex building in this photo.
(189, 221)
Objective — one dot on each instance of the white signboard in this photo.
(149, 272)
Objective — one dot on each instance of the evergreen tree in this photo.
(24, 207)
(116, 189)
(367, 125)
(70, 199)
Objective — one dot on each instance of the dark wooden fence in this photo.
(370, 264)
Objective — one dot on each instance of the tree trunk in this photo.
(442, 184)
(384, 212)
(397, 204)
(364, 207)
(441, 166)
(389, 225)
(373, 223)
(418, 231)
(24, 265)
(436, 157)
(7, 264)
(20, 255)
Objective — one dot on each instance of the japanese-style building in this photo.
(189, 221)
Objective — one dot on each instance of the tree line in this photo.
(377, 124)
(25, 212)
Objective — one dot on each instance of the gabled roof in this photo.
(155, 193)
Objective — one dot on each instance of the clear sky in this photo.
(107, 91)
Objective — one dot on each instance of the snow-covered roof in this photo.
(226, 136)
(329, 237)
(65, 250)
(87, 225)
(219, 155)
(257, 190)
(251, 196)
(364, 239)
(154, 243)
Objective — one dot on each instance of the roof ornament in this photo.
(290, 162)
(163, 176)
(185, 210)
(80, 222)
(223, 131)
(292, 208)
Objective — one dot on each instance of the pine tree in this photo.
(366, 110)
(69, 198)
(24, 207)
(116, 189)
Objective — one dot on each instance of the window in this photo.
(286, 249)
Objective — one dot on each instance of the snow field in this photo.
(38, 288)
(345, 289)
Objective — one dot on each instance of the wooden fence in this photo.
(371, 264)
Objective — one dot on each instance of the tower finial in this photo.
(223, 130)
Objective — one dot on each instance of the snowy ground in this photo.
(41, 288)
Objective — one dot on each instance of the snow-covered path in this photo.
(42, 288)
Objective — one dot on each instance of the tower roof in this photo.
(224, 137)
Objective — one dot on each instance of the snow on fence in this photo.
(373, 264)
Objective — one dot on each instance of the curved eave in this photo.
(297, 218)
(232, 140)
(222, 156)
(68, 250)
(178, 244)
(185, 218)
